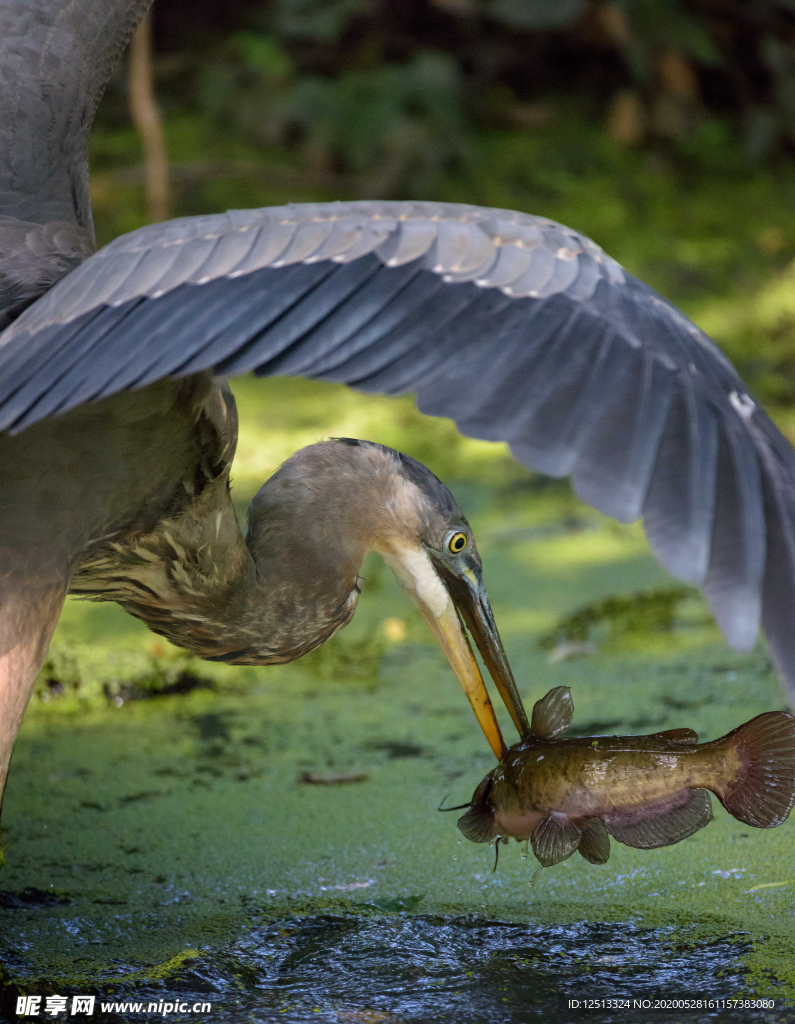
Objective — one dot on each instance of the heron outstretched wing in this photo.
(516, 327)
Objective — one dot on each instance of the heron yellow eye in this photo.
(457, 543)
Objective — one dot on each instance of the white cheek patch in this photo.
(414, 570)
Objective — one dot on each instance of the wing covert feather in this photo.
(518, 328)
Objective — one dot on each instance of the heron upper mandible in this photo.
(117, 430)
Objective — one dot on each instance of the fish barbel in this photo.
(646, 791)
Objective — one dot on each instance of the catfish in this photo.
(644, 791)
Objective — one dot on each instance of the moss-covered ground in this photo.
(159, 836)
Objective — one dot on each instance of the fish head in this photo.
(509, 801)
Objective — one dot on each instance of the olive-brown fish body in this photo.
(600, 776)
(646, 791)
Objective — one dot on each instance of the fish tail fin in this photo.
(762, 792)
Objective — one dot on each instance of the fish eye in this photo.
(456, 542)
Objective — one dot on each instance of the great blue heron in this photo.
(118, 431)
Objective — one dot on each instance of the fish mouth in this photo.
(471, 602)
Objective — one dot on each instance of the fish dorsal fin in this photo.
(595, 842)
(552, 713)
(658, 828)
(678, 736)
(555, 838)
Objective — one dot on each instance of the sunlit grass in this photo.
(279, 416)
(577, 549)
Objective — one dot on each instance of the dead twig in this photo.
(146, 116)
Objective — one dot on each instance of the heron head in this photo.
(312, 523)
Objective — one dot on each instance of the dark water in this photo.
(383, 970)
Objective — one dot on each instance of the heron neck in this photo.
(286, 587)
(196, 581)
(307, 556)
(311, 526)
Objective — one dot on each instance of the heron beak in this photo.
(450, 634)
(418, 575)
(468, 594)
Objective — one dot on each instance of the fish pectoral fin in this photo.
(659, 825)
(555, 838)
(478, 823)
(595, 841)
(678, 736)
(553, 713)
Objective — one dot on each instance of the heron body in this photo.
(117, 430)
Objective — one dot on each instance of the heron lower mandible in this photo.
(117, 430)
